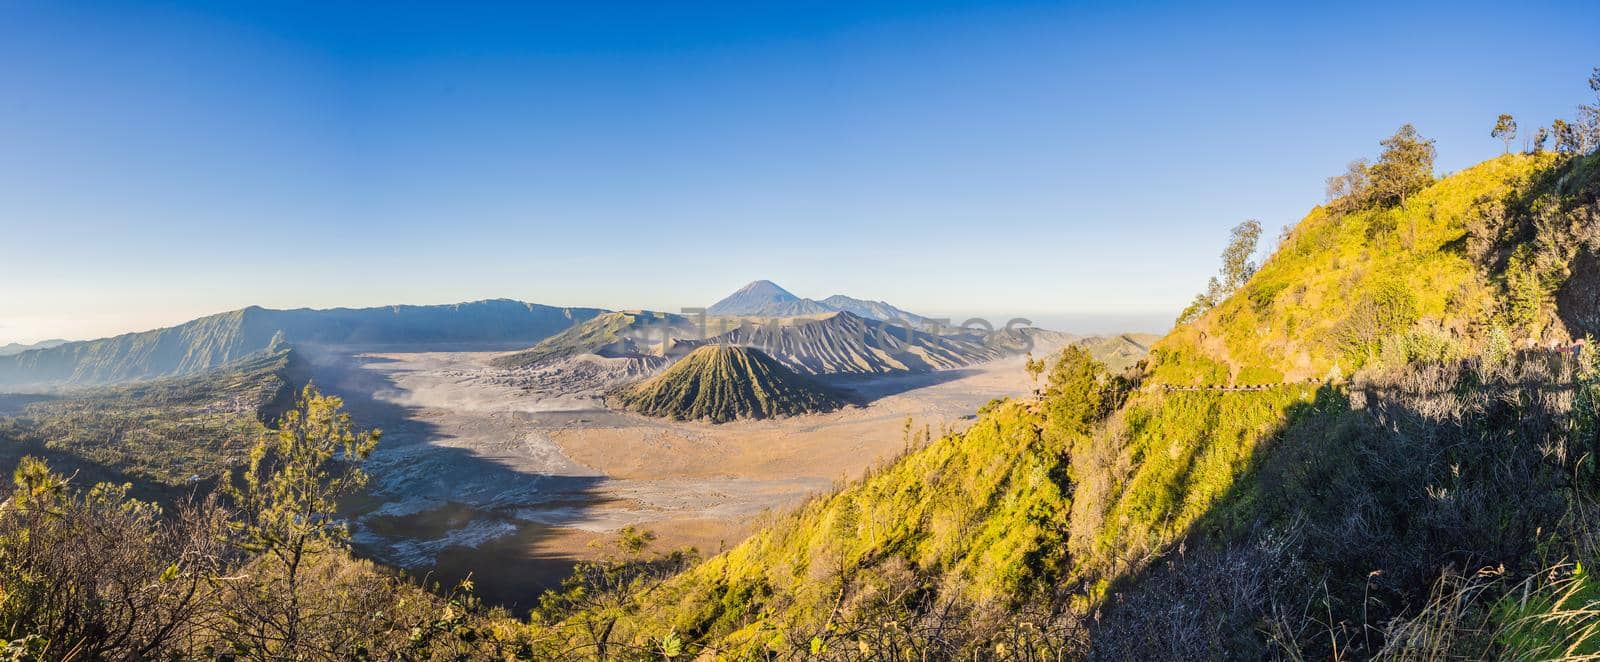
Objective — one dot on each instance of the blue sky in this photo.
(1079, 163)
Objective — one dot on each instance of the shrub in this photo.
(1387, 308)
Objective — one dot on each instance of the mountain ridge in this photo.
(1159, 524)
(9, 349)
(844, 343)
(215, 340)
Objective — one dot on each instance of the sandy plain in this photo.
(515, 475)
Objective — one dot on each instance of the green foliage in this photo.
(287, 502)
(587, 607)
(94, 574)
(1404, 168)
(1164, 463)
(297, 475)
(1558, 618)
(163, 432)
(1525, 293)
(1419, 344)
(1568, 138)
(1387, 309)
(1262, 294)
(1237, 268)
(1505, 130)
(1553, 615)
(1337, 293)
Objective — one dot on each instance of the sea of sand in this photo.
(512, 478)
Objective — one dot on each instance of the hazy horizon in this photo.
(1082, 323)
(1045, 160)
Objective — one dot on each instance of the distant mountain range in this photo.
(17, 348)
(846, 343)
(832, 343)
(765, 298)
(216, 340)
(839, 334)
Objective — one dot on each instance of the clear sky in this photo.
(163, 161)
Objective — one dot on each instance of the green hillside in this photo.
(1167, 514)
(1381, 443)
(720, 383)
(1349, 288)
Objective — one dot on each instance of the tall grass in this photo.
(1553, 615)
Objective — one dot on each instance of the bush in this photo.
(1387, 308)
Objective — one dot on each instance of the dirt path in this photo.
(479, 472)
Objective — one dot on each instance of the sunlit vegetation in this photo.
(258, 571)
(167, 432)
(962, 534)
(1309, 517)
(1411, 473)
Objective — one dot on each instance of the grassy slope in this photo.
(984, 510)
(1004, 505)
(721, 383)
(1167, 459)
(1301, 315)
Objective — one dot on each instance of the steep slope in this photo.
(843, 343)
(1344, 288)
(763, 298)
(1172, 515)
(618, 334)
(216, 340)
(719, 383)
(979, 517)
